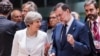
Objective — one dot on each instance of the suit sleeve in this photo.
(82, 45)
(53, 50)
(15, 46)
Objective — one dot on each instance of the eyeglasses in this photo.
(52, 17)
(18, 16)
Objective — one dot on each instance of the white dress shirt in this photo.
(69, 24)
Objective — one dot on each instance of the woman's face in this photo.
(35, 25)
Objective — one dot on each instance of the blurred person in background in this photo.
(26, 7)
(16, 16)
(31, 6)
(75, 15)
(53, 20)
(7, 28)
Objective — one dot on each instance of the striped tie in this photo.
(96, 31)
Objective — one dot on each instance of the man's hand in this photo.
(70, 39)
(53, 54)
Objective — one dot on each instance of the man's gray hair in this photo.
(32, 6)
(31, 16)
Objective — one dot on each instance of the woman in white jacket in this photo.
(30, 41)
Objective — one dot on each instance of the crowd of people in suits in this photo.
(25, 33)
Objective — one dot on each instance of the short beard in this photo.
(91, 17)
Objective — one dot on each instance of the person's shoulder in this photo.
(42, 32)
(11, 23)
(21, 31)
(58, 24)
(79, 23)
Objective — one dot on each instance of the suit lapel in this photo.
(58, 32)
(72, 28)
(23, 42)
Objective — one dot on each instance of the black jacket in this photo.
(7, 31)
(93, 50)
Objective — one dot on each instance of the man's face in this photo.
(62, 15)
(17, 16)
(53, 20)
(25, 10)
(91, 11)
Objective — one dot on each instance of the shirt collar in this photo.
(70, 21)
(98, 19)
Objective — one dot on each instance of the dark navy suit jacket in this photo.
(93, 50)
(7, 31)
(81, 45)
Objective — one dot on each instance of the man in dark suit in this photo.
(7, 29)
(70, 40)
(92, 10)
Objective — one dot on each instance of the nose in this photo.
(23, 12)
(40, 23)
(89, 12)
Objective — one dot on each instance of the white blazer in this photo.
(19, 44)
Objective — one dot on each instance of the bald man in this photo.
(16, 16)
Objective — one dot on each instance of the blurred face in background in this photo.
(16, 16)
(25, 10)
(91, 11)
(53, 19)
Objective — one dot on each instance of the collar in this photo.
(97, 20)
(70, 21)
(2, 17)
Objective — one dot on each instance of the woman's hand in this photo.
(47, 46)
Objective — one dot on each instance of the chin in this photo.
(37, 29)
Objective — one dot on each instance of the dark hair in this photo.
(63, 6)
(5, 7)
(91, 2)
(58, 5)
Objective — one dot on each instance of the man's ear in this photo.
(68, 11)
(98, 10)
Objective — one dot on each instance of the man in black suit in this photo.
(92, 10)
(7, 29)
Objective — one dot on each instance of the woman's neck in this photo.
(31, 32)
